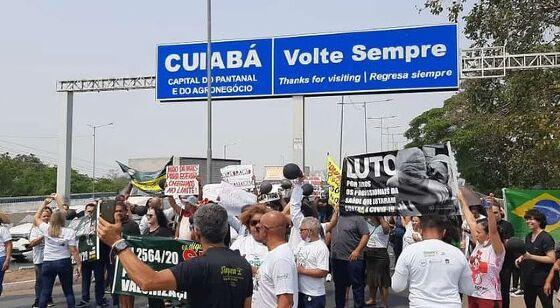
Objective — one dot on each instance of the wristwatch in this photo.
(120, 246)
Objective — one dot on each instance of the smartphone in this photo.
(107, 210)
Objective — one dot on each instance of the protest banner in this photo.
(181, 180)
(411, 181)
(545, 201)
(333, 179)
(240, 176)
(234, 198)
(88, 243)
(159, 253)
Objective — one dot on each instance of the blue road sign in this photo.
(389, 60)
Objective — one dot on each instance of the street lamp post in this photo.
(95, 127)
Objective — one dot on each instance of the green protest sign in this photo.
(88, 243)
(159, 253)
(546, 201)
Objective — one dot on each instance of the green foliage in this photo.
(505, 131)
(27, 175)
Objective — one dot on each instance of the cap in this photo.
(192, 200)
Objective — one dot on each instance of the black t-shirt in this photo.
(161, 231)
(130, 228)
(506, 229)
(535, 273)
(221, 278)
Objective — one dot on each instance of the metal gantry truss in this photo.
(493, 62)
(487, 62)
(107, 84)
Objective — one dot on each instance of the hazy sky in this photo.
(46, 41)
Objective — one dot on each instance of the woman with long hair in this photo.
(377, 260)
(37, 242)
(157, 223)
(413, 228)
(487, 258)
(537, 261)
(60, 243)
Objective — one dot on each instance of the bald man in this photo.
(277, 278)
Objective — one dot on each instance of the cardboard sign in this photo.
(181, 180)
(234, 198)
(240, 176)
(273, 173)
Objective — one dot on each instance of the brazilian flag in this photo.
(546, 201)
(149, 182)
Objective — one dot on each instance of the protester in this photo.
(128, 227)
(312, 258)
(60, 243)
(251, 247)
(377, 260)
(157, 223)
(219, 277)
(413, 233)
(5, 248)
(537, 261)
(506, 231)
(396, 235)
(184, 229)
(157, 203)
(349, 238)
(86, 231)
(434, 271)
(277, 279)
(296, 214)
(517, 248)
(36, 241)
(486, 259)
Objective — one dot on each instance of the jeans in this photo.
(2, 259)
(63, 269)
(98, 268)
(349, 273)
(39, 284)
(307, 301)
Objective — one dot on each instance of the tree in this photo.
(505, 131)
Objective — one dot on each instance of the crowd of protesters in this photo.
(282, 253)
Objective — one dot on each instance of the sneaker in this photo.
(51, 304)
(82, 303)
(329, 277)
(512, 290)
(517, 293)
(35, 306)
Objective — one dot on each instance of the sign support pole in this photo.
(298, 131)
(209, 94)
(65, 147)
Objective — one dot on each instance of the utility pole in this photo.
(209, 92)
(364, 105)
(381, 127)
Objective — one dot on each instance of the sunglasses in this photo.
(253, 223)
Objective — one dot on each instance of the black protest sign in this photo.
(413, 181)
(159, 253)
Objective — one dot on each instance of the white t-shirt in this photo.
(254, 252)
(169, 214)
(38, 250)
(377, 239)
(312, 255)
(435, 272)
(277, 275)
(408, 237)
(5, 236)
(57, 248)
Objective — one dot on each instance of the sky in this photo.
(47, 41)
